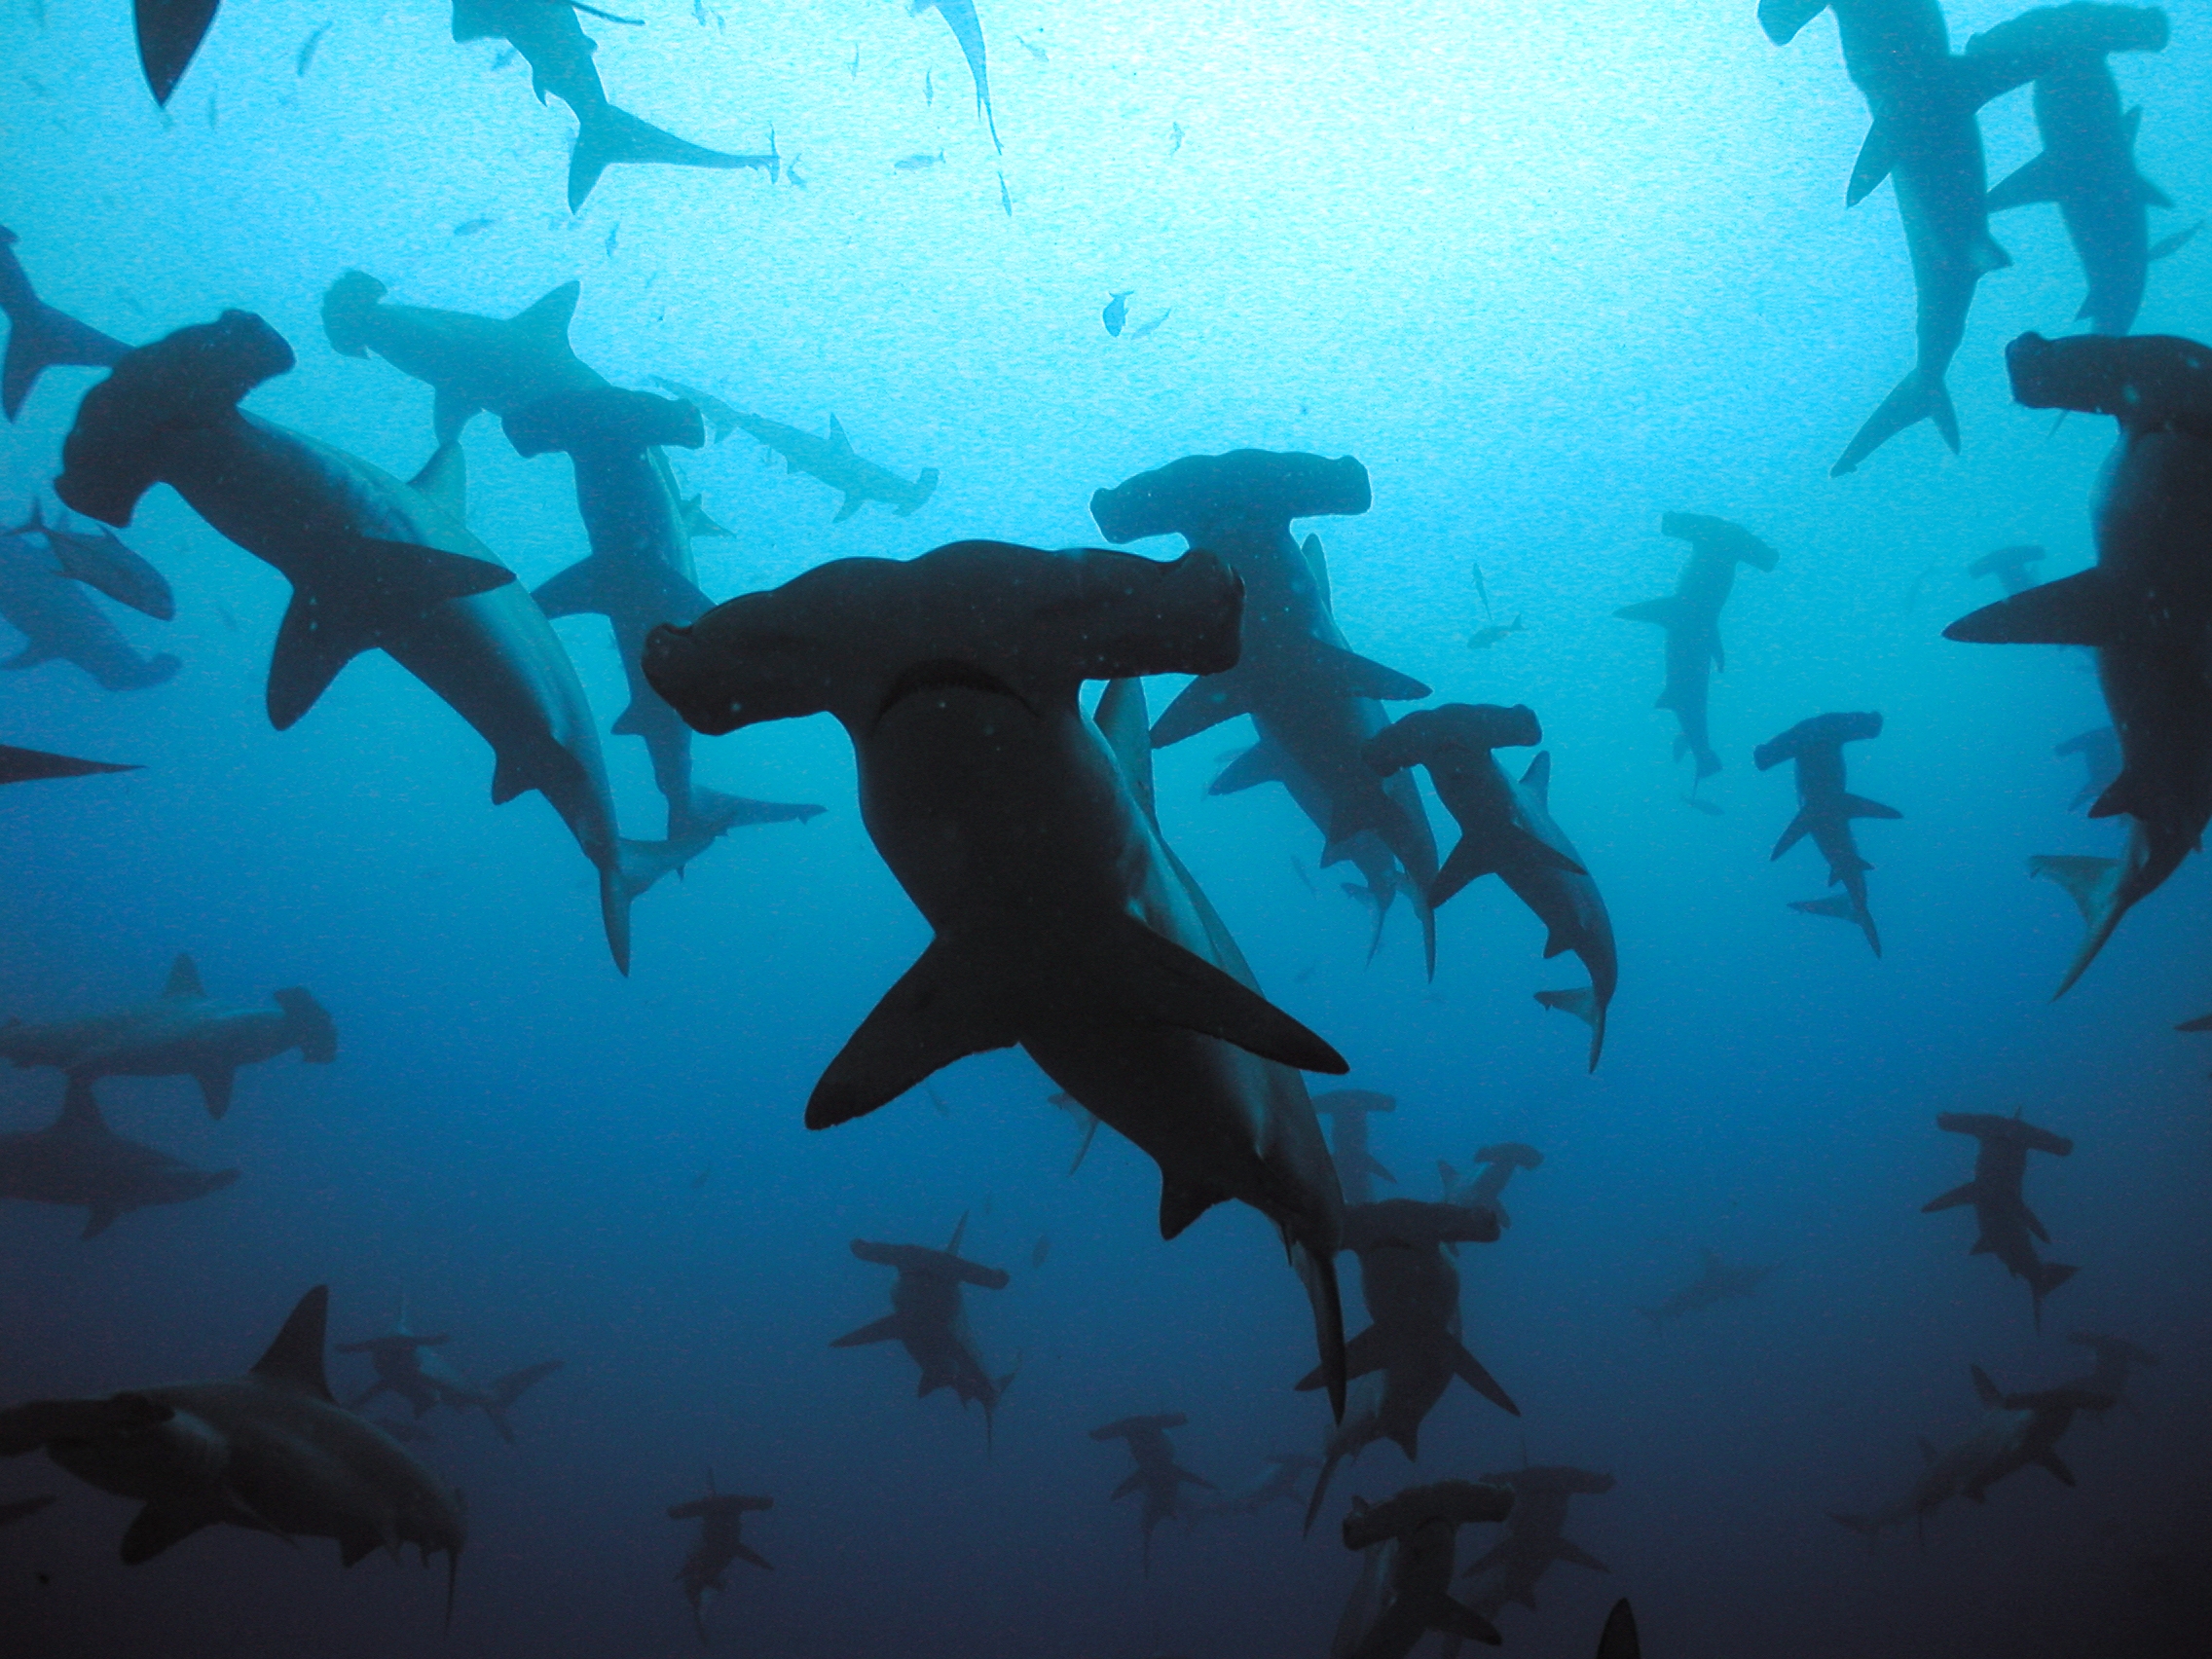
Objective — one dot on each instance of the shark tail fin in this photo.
(311, 1025)
(1916, 398)
(1843, 909)
(621, 878)
(606, 135)
(38, 336)
(507, 1389)
(2095, 885)
(1581, 1001)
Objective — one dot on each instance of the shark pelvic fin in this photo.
(1205, 702)
(2036, 181)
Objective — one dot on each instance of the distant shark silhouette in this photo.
(269, 1450)
(183, 1033)
(1279, 1484)
(406, 1366)
(1717, 1282)
(1157, 1474)
(722, 1540)
(1510, 1570)
(2009, 565)
(2016, 1430)
(928, 1321)
(1358, 1168)
(1691, 616)
(1507, 830)
(29, 765)
(43, 570)
(1825, 809)
(78, 1159)
(1312, 698)
(2002, 1221)
(2141, 608)
(831, 460)
(1027, 836)
(1422, 1526)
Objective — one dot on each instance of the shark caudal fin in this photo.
(1915, 400)
(309, 1024)
(606, 135)
(2095, 886)
(2046, 1277)
(506, 1391)
(38, 336)
(713, 813)
(1843, 909)
(1582, 1002)
(1317, 1271)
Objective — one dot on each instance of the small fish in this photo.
(700, 1180)
(1711, 808)
(699, 12)
(1145, 329)
(1175, 138)
(1912, 590)
(938, 1100)
(2174, 243)
(929, 88)
(306, 58)
(504, 58)
(1117, 313)
(1004, 199)
(1482, 638)
(854, 67)
(1482, 590)
(1040, 1250)
(469, 226)
(918, 160)
(36, 85)
(613, 236)
(1034, 48)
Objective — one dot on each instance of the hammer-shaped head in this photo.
(1256, 490)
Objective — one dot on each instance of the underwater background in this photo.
(1548, 272)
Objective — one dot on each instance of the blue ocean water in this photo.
(1548, 275)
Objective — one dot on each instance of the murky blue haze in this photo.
(1549, 272)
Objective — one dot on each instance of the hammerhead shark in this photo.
(1026, 835)
(1716, 1281)
(1825, 809)
(1358, 1168)
(1535, 1536)
(374, 564)
(29, 765)
(2143, 607)
(928, 1319)
(1420, 1526)
(2002, 1221)
(1485, 1188)
(2010, 566)
(720, 1541)
(77, 1159)
(1691, 616)
(408, 1365)
(552, 42)
(960, 17)
(1926, 136)
(1157, 1474)
(38, 336)
(831, 460)
(1278, 1483)
(1412, 1296)
(1309, 695)
(2087, 165)
(271, 1451)
(2116, 1361)
(2016, 1430)
(639, 570)
(1507, 830)
(44, 571)
(184, 1032)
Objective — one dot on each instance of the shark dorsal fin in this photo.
(80, 1111)
(295, 1359)
(1317, 562)
(1537, 780)
(1121, 717)
(551, 314)
(959, 1228)
(184, 979)
(444, 478)
(842, 444)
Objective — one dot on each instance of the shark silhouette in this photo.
(1825, 809)
(78, 1159)
(926, 1318)
(1691, 616)
(2002, 1221)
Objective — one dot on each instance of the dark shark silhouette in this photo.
(44, 571)
(2143, 607)
(77, 1159)
(960, 17)
(1277, 1483)
(928, 1319)
(831, 460)
(1691, 616)
(1716, 1281)
(720, 1541)
(2009, 565)
(2016, 1430)
(1926, 136)
(269, 1450)
(553, 43)
(1418, 1531)
(374, 564)
(1485, 1188)
(169, 33)
(1825, 809)
(1310, 697)
(407, 1365)
(2118, 1359)
(1412, 1294)
(1358, 1168)
(1026, 835)
(2002, 1221)
(1157, 1474)
(1536, 1537)
(183, 1033)
(2087, 165)
(1507, 830)
(38, 336)
(29, 765)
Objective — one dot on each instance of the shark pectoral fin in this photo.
(450, 413)
(310, 649)
(1800, 827)
(215, 1084)
(1957, 1195)
(1858, 807)
(2036, 181)
(356, 1547)
(1667, 613)
(158, 1525)
(2051, 1461)
(2150, 196)
(1576, 1555)
(941, 1010)
(1356, 676)
(1156, 980)
(1205, 702)
(1366, 1353)
(851, 504)
(696, 522)
(98, 1218)
(575, 592)
(1984, 1389)
(1261, 764)
(1467, 863)
(1871, 167)
(2085, 608)
(1470, 1370)
(752, 1557)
